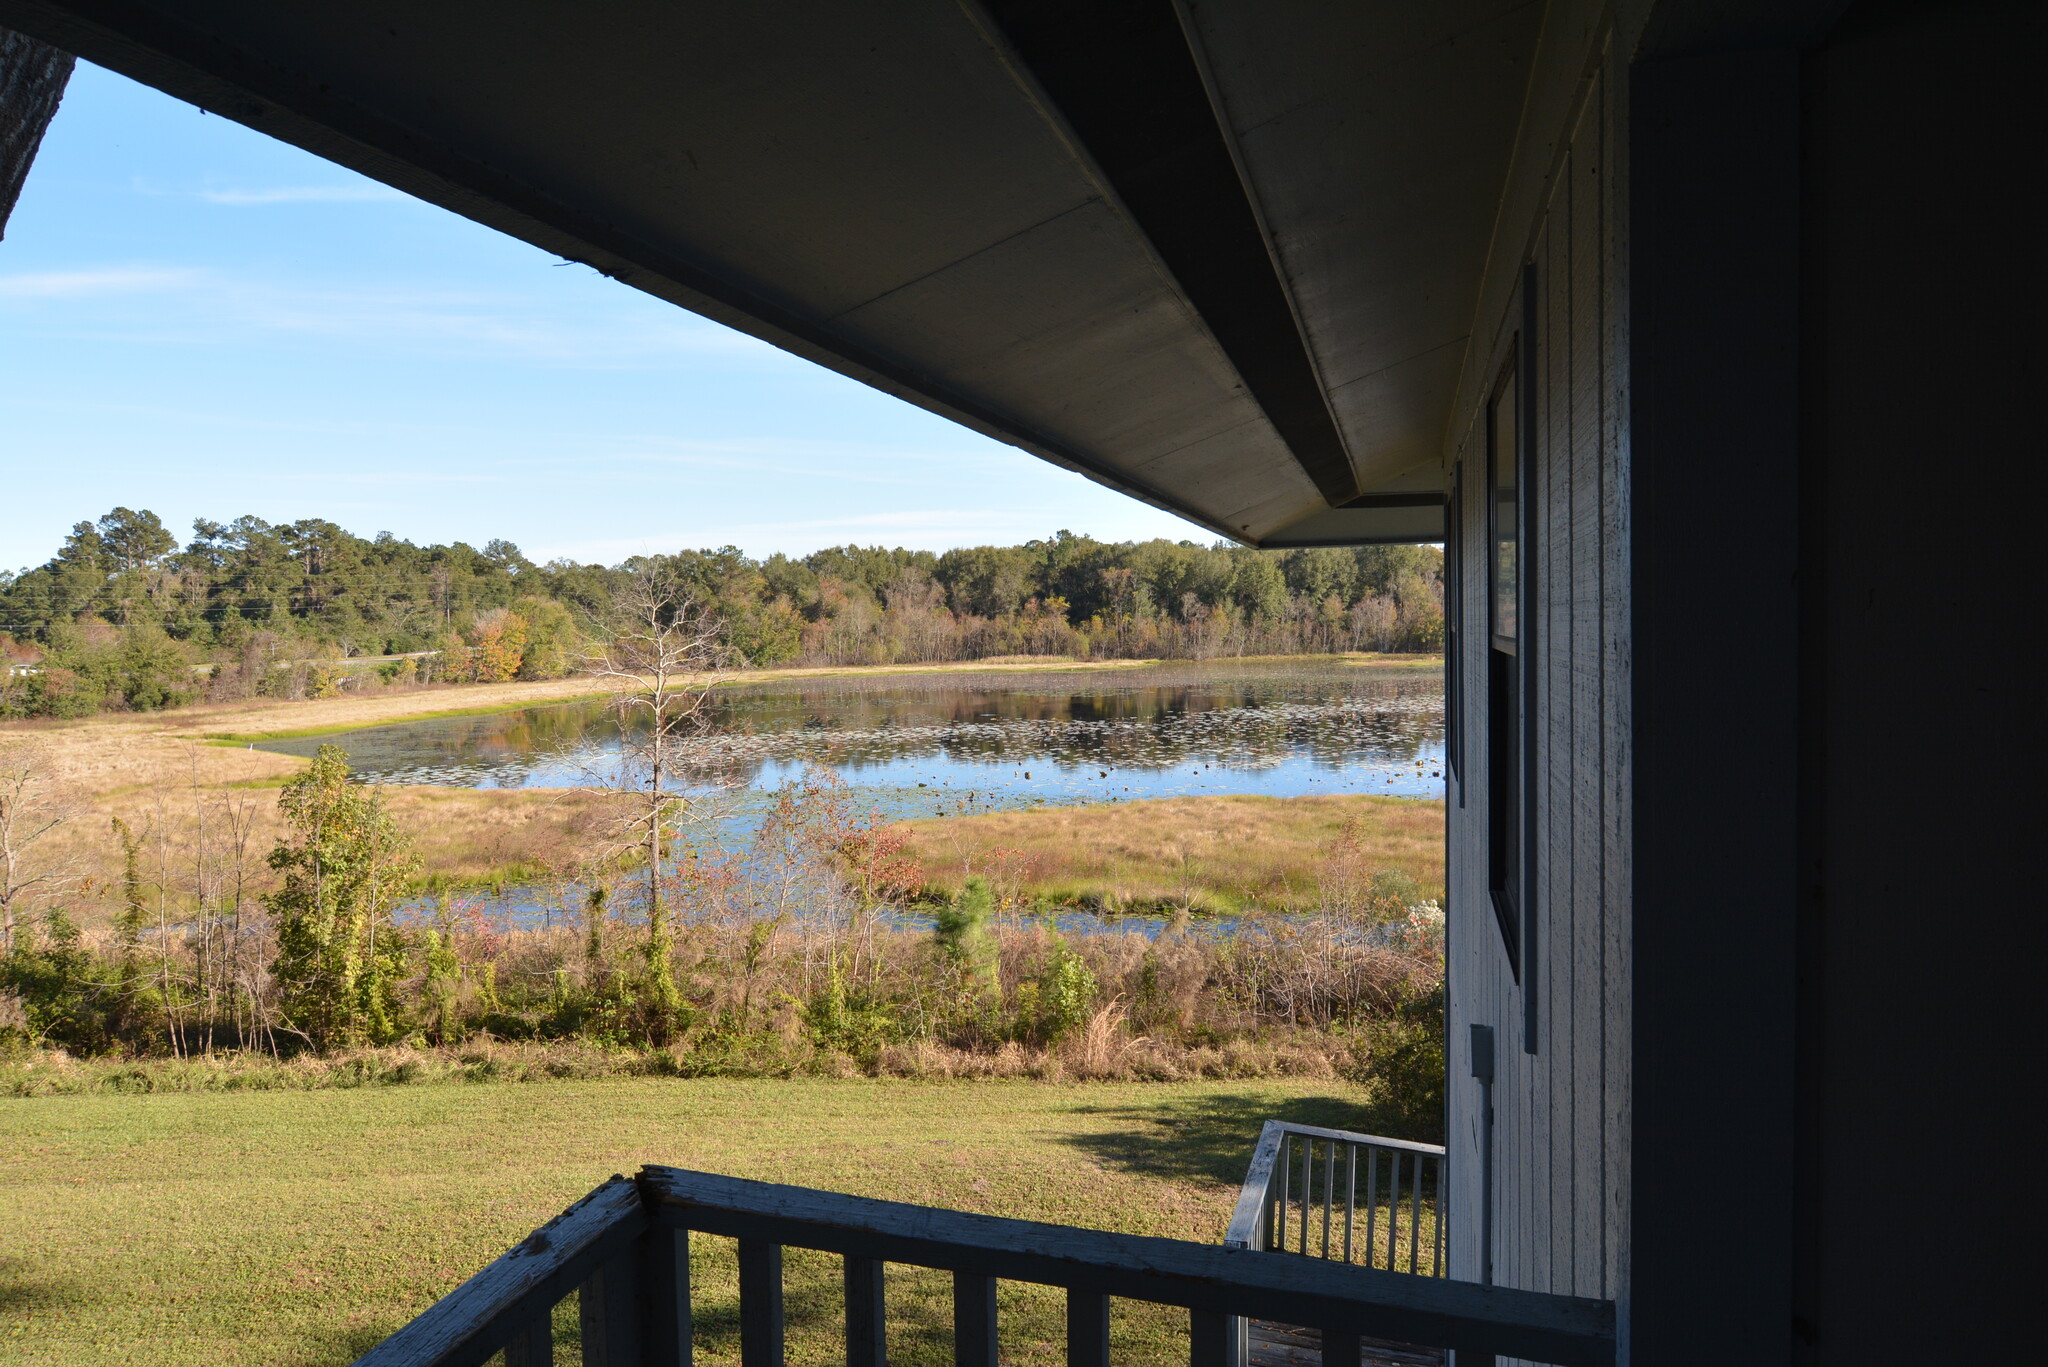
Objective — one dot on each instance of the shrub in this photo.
(963, 935)
(58, 988)
(1403, 1063)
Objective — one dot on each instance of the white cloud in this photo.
(224, 309)
(495, 324)
(110, 280)
(305, 194)
(745, 451)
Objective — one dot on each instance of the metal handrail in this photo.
(624, 1251)
(1281, 1186)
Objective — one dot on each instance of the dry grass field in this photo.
(1216, 854)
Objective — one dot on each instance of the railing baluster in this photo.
(760, 1303)
(867, 1340)
(1394, 1210)
(608, 1311)
(1209, 1338)
(1280, 1216)
(1340, 1350)
(1415, 1218)
(667, 1274)
(533, 1346)
(1329, 1190)
(974, 1320)
(1350, 1195)
(1308, 1158)
(1372, 1206)
(1087, 1328)
(1436, 1249)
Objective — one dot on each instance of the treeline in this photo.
(123, 617)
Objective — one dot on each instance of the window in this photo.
(1504, 779)
(1454, 629)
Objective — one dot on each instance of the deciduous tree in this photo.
(31, 810)
(343, 866)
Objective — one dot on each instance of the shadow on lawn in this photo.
(919, 1316)
(22, 1292)
(341, 1346)
(1210, 1138)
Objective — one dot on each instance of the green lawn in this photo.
(298, 1228)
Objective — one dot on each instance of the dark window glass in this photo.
(1503, 668)
(1454, 629)
(1506, 503)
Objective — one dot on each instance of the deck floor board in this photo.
(1285, 1345)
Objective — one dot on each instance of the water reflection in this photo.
(940, 744)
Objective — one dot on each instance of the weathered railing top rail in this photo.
(487, 1312)
(630, 1241)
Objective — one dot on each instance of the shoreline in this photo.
(239, 723)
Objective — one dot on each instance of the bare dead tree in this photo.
(31, 808)
(220, 862)
(661, 655)
(167, 980)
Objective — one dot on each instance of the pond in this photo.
(953, 743)
(957, 743)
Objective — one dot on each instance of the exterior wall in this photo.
(1560, 1112)
(1750, 459)
(1922, 917)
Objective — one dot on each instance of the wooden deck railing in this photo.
(624, 1251)
(1350, 1197)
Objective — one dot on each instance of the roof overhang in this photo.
(1222, 255)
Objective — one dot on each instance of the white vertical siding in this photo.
(1559, 1159)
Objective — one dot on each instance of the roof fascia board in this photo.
(1227, 126)
(1246, 308)
(1369, 520)
(209, 71)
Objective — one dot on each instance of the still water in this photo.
(945, 744)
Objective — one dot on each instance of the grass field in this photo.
(298, 1228)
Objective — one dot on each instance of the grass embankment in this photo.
(298, 1228)
(1206, 854)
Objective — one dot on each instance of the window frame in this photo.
(1514, 665)
(1505, 787)
(1454, 619)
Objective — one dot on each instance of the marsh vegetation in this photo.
(299, 928)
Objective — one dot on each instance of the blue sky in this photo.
(198, 320)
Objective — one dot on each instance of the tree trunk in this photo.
(654, 828)
(32, 80)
